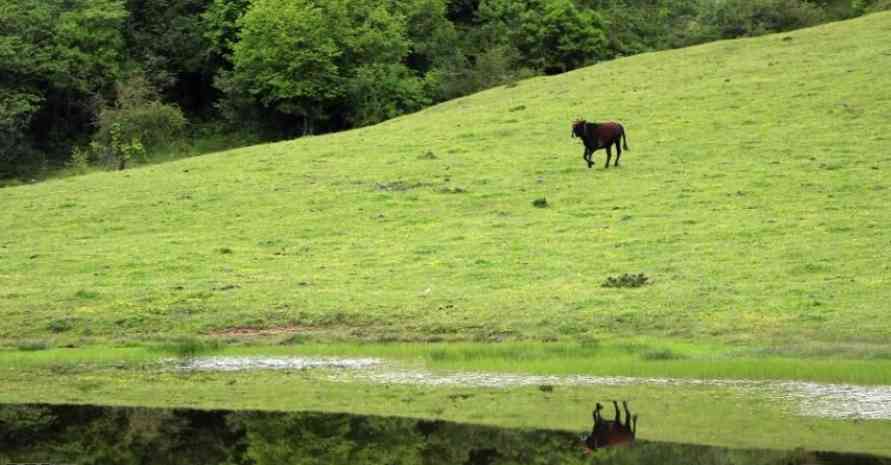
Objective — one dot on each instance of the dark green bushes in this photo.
(626, 280)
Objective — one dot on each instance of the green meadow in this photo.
(755, 199)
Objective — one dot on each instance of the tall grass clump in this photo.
(189, 346)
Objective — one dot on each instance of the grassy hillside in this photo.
(755, 196)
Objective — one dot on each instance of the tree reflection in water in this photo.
(101, 435)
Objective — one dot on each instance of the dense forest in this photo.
(103, 82)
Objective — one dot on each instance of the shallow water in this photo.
(61, 434)
(810, 399)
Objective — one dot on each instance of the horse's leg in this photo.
(618, 152)
(586, 156)
(596, 413)
(609, 154)
(627, 414)
(618, 415)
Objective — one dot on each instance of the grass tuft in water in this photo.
(190, 346)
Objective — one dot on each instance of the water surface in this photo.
(66, 434)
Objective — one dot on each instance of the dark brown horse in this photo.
(606, 433)
(600, 135)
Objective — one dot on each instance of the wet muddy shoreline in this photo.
(826, 400)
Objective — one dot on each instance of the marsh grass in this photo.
(188, 346)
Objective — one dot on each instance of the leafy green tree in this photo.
(55, 56)
(550, 35)
(287, 58)
(307, 58)
(169, 40)
(561, 36)
(137, 119)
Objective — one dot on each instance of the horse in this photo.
(611, 433)
(600, 135)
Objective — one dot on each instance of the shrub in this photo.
(189, 346)
(32, 345)
(137, 120)
(626, 280)
(60, 326)
(727, 19)
(880, 5)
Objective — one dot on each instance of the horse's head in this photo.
(578, 128)
(588, 442)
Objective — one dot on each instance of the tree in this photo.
(308, 58)
(169, 40)
(549, 35)
(55, 56)
(137, 119)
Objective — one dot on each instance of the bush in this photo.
(727, 19)
(137, 120)
(33, 345)
(189, 346)
(880, 5)
(626, 280)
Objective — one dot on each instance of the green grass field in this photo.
(755, 198)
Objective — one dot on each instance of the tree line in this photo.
(87, 81)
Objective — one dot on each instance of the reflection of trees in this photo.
(94, 435)
(22, 422)
(311, 438)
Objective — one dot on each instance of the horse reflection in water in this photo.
(611, 433)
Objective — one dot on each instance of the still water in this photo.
(82, 435)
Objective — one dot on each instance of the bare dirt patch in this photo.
(250, 331)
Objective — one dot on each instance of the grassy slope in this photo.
(755, 196)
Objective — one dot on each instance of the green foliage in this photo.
(554, 35)
(560, 36)
(80, 160)
(55, 55)
(17, 108)
(306, 58)
(32, 345)
(189, 346)
(383, 91)
(738, 18)
(489, 68)
(136, 120)
(167, 38)
(878, 5)
(626, 280)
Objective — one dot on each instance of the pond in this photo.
(85, 434)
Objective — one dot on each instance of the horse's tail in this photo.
(624, 139)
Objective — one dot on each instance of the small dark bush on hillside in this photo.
(60, 326)
(32, 345)
(626, 280)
